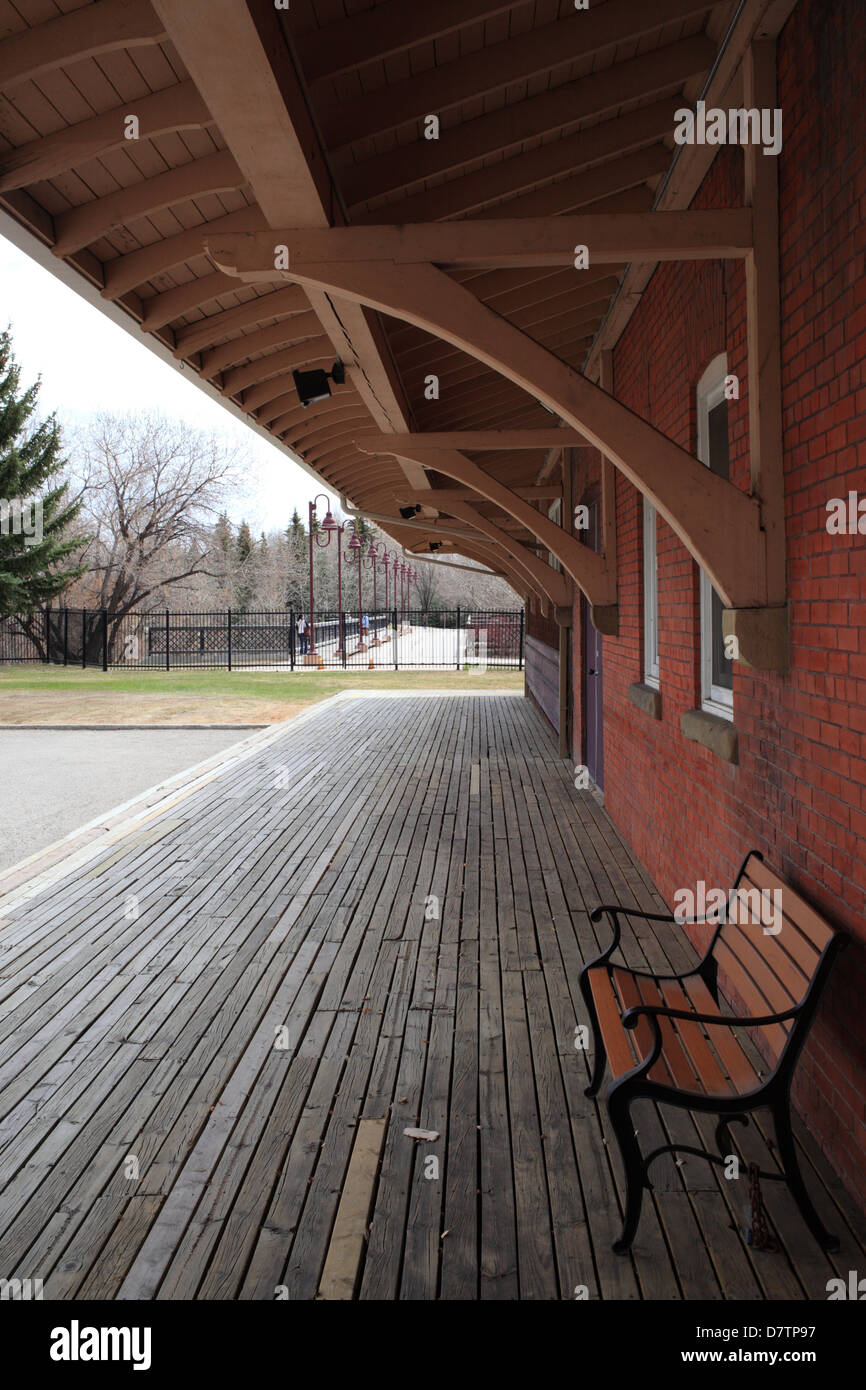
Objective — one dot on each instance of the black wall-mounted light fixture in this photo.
(407, 512)
(313, 386)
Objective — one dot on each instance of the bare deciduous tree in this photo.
(149, 489)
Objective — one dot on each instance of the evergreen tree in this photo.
(296, 534)
(246, 578)
(33, 514)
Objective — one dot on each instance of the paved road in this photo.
(54, 780)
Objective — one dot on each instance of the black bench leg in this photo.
(599, 1056)
(794, 1178)
(619, 1109)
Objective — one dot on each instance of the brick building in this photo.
(785, 769)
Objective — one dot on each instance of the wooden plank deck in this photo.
(215, 1029)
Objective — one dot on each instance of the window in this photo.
(650, 597)
(717, 673)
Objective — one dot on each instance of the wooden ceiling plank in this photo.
(390, 28)
(246, 344)
(266, 306)
(524, 172)
(312, 351)
(160, 309)
(643, 77)
(543, 49)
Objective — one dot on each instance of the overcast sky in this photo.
(89, 364)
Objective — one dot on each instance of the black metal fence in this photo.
(454, 638)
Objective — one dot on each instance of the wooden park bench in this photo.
(672, 1038)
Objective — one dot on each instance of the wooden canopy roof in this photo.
(318, 114)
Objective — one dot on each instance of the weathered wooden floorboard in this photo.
(400, 890)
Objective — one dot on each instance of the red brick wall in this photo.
(799, 790)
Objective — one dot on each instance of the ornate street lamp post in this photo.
(385, 562)
(328, 525)
(355, 556)
(372, 561)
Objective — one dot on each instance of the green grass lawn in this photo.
(52, 694)
(288, 685)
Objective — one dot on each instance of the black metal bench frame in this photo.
(773, 1093)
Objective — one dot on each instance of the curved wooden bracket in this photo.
(554, 584)
(718, 523)
(589, 571)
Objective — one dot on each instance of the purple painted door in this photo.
(593, 701)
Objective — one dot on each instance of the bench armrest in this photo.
(631, 1017)
(614, 909)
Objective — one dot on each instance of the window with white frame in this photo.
(717, 674)
(650, 597)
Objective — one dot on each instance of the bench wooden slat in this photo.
(775, 1034)
(677, 1065)
(800, 913)
(629, 995)
(616, 1040)
(713, 1078)
(748, 946)
(723, 1039)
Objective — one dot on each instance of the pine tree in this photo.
(246, 578)
(32, 548)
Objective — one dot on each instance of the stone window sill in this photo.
(713, 732)
(647, 699)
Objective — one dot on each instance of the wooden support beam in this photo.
(587, 569)
(608, 476)
(215, 173)
(175, 108)
(229, 50)
(83, 33)
(444, 496)
(763, 321)
(723, 233)
(550, 580)
(719, 524)
(474, 441)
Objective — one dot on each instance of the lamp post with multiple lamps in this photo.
(355, 556)
(328, 526)
(372, 561)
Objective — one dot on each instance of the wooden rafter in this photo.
(215, 173)
(84, 33)
(541, 50)
(149, 262)
(598, 94)
(509, 177)
(176, 108)
(393, 27)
